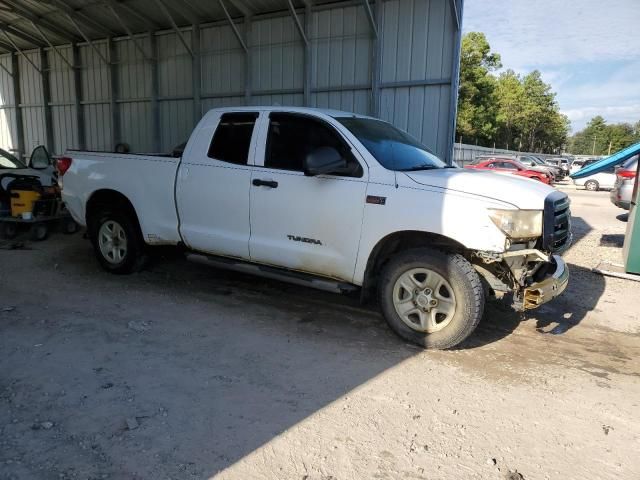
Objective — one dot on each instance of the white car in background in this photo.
(598, 181)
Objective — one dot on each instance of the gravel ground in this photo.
(184, 371)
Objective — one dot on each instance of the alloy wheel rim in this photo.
(112, 240)
(424, 300)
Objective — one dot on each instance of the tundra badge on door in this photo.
(296, 238)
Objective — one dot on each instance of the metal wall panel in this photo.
(32, 101)
(95, 96)
(291, 99)
(62, 87)
(341, 47)
(97, 121)
(358, 101)
(277, 54)
(176, 123)
(134, 70)
(223, 61)
(174, 65)
(135, 126)
(134, 93)
(217, 102)
(417, 51)
(417, 40)
(8, 130)
(95, 73)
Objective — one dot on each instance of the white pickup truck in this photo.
(336, 201)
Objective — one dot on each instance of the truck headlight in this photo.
(518, 223)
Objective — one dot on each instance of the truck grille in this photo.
(556, 231)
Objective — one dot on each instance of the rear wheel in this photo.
(431, 298)
(9, 230)
(69, 226)
(39, 232)
(117, 241)
(592, 185)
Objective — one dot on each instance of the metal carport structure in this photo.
(90, 74)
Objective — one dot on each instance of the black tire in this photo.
(592, 185)
(9, 230)
(463, 279)
(69, 226)
(39, 232)
(135, 257)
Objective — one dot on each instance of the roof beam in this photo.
(292, 10)
(57, 30)
(128, 30)
(454, 11)
(21, 34)
(370, 17)
(233, 26)
(151, 25)
(86, 39)
(55, 49)
(176, 29)
(7, 46)
(76, 14)
(20, 51)
(190, 12)
(5, 68)
(238, 5)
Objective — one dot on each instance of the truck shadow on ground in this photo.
(208, 365)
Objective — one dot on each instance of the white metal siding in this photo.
(8, 130)
(417, 39)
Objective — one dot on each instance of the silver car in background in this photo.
(623, 188)
(536, 163)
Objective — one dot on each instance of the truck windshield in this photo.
(391, 147)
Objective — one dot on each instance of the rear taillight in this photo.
(626, 174)
(63, 164)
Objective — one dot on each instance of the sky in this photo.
(588, 50)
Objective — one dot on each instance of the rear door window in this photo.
(232, 138)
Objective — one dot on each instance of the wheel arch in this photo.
(108, 197)
(398, 241)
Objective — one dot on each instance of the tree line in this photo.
(505, 110)
(598, 138)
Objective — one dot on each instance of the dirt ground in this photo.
(184, 371)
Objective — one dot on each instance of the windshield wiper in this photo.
(420, 167)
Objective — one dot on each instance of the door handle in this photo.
(265, 183)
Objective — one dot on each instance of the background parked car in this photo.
(563, 163)
(535, 163)
(510, 166)
(623, 188)
(598, 181)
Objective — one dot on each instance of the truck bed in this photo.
(147, 180)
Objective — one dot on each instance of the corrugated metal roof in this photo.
(35, 23)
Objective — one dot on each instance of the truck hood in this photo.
(518, 191)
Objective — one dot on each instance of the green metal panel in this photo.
(631, 250)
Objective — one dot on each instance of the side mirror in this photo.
(323, 160)
(40, 158)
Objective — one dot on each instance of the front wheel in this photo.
(117, 242)
(592, 186)
(431, 298)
